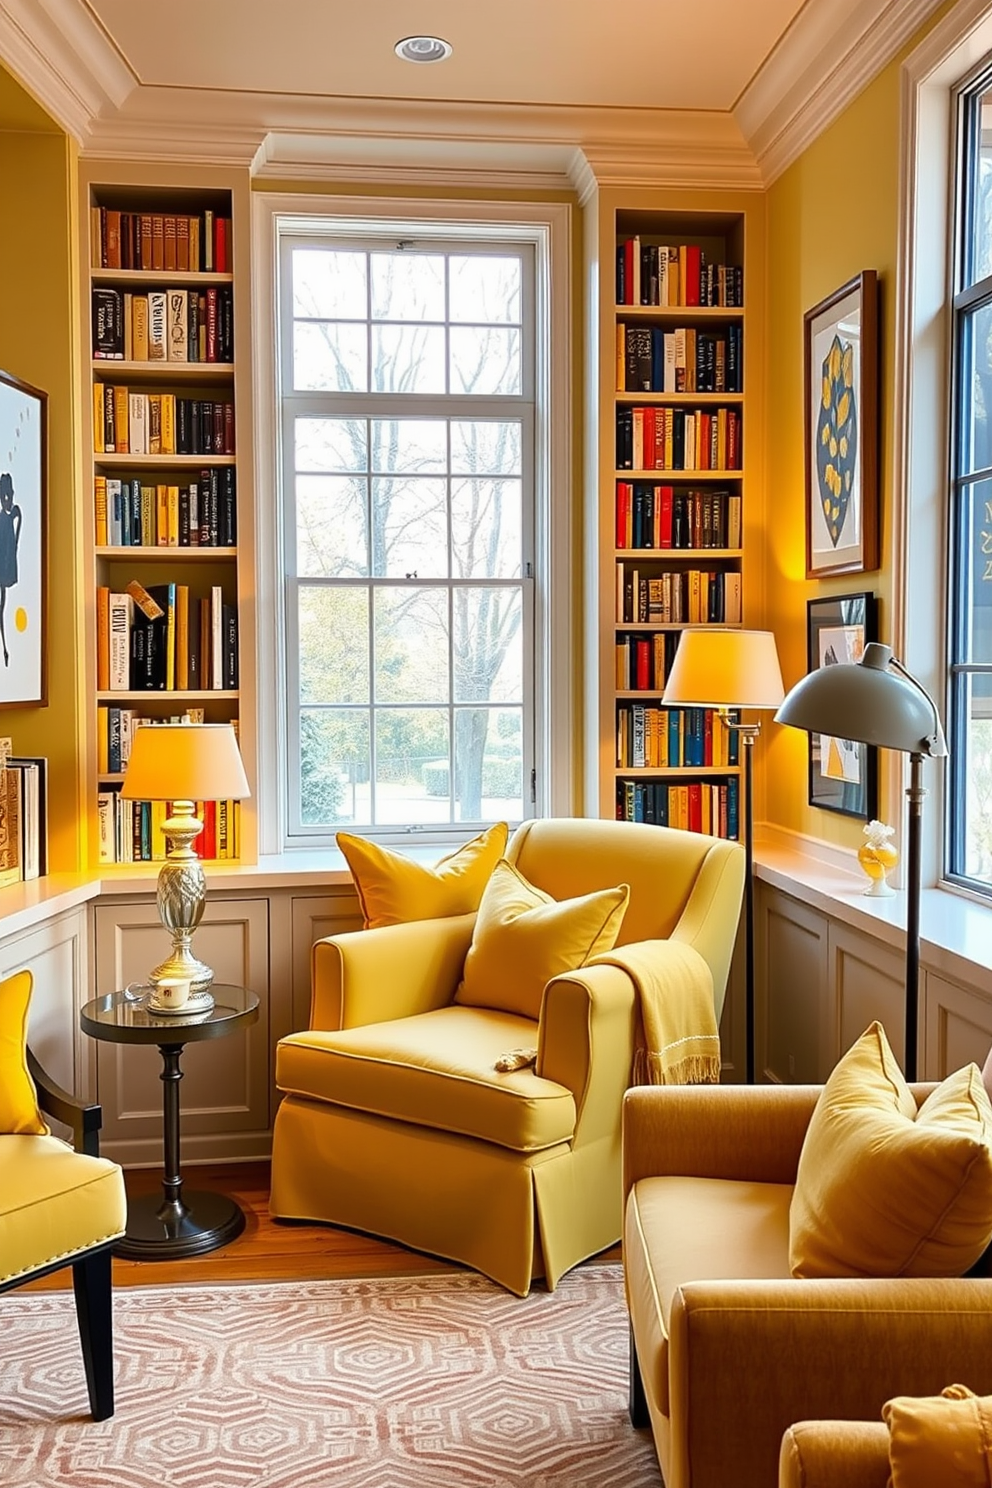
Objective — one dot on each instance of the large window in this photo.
(407, 395)
(969, 815)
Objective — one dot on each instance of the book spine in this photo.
(119, 650)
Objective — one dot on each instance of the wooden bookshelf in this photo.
(668, 491)
(169, 505)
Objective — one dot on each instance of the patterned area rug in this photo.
(441, 1381)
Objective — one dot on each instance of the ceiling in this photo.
(720, 92)
(643, 54)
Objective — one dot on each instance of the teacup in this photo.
(171, 993)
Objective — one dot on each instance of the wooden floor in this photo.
(266, 1250)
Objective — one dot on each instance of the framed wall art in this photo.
(23, 543)
(843, 774)
(840, 381)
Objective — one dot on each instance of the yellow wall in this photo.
(833, 213)
(39, 344)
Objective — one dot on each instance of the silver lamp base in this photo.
(180, 896)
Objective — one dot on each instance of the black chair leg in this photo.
(91, 1282)
(637, 1405)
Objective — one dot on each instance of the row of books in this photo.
(165, 639)
(174, 325)
(669, 738)
(644, 662)
(23, 819)
(115, 730)
(650, 515)
(127, 421)
(706, 806)
(188, 242)
(200, 513)
(131, 831)
(651, 438)
(653, 274)
(653, 360)
(678, 597)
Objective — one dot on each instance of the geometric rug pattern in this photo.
(419, 1382)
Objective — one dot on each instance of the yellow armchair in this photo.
(728, 1350)
(59, 1205)
(394, 1119)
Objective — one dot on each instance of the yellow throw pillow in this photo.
(884, 1190)
(393, 889)
(523, 938)
(939, 1441)
(18, 1098)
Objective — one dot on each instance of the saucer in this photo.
(197, 1002)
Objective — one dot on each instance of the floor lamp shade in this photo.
(876, 701)
(184, 763)
(732, 669)
(717, 668)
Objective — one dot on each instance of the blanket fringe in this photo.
(691, 1069)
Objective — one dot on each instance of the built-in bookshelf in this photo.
(669, 505)
(167, 486)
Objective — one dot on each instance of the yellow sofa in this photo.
(394, 1119)
(835, 1454)
(728, 1350)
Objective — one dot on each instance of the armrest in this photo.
(585, 1042)
(750, 1132)
(85, 1120)
(834, 1454)
(372, 976)
(709, 921)
(763, 1354)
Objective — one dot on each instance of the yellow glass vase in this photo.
(877, 857)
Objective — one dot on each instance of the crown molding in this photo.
(832, 50)
(64, 59)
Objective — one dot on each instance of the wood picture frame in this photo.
(843, 774)
(23, 543)
(840, 383)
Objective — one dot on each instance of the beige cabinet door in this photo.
(791, 959)
(957, 1026)
(868, 981)
(226, 1091)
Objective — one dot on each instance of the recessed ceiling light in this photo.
(422, 49)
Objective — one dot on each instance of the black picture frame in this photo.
(840, 388)
(23, 544)
(843, 774)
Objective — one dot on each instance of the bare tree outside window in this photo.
(408, 545)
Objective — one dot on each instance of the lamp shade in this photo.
(868, 702)
(185, 762)
(717, 668)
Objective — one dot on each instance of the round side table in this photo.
(178, 1224)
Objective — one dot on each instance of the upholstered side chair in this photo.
(60, 1205)
(394, 1118)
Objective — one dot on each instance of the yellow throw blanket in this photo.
(681, 1042)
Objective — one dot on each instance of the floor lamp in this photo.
(876, 701)
(732, 669)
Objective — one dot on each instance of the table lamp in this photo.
(183, 763)
(876, 701)
(732, 669)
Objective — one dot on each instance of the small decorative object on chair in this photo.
(878, 856)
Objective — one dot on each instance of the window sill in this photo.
(955, 930)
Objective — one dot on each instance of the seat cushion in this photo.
(54, 1203)
(885, 1190)
(435, 1069)
(523, 937)
(679, 1229)
(393, 889)
(18, 1097)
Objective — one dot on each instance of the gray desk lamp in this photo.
(732, 669)
(876, 701)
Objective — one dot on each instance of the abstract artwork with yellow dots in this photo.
(841, 389)
(23, 455)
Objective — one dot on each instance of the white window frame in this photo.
(930, 81)
(547, 227)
